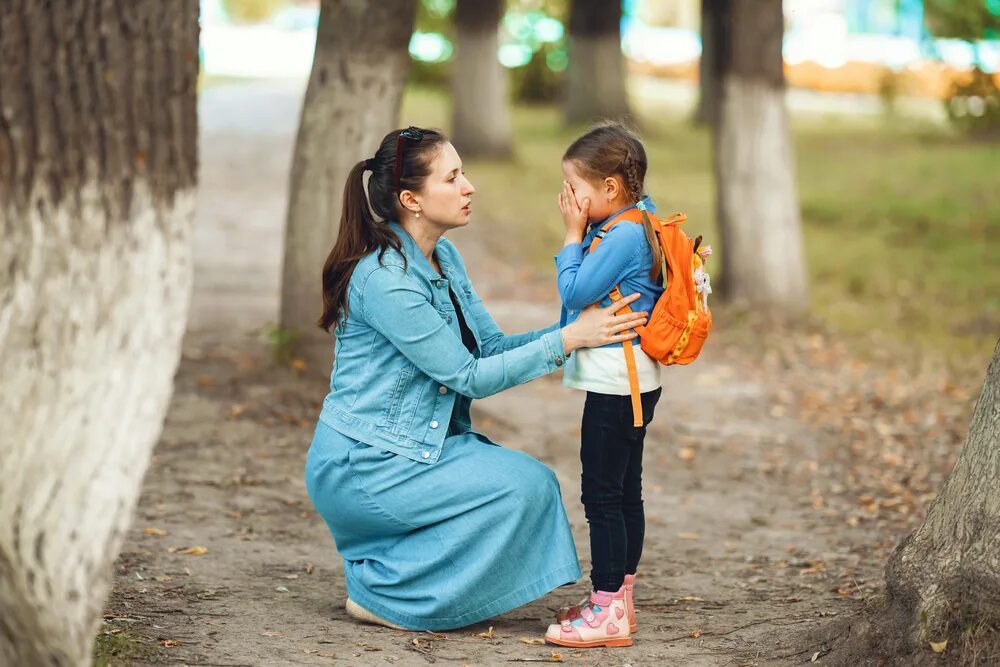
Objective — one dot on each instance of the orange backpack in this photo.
(680, 321)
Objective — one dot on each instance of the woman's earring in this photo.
(417, 215)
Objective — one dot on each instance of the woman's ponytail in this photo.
(354, 239)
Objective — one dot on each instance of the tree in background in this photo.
(713, 22)
(757, 204)
(98, 160)
(974, 104)
(352, 101)
(480, 112)
(595, 82)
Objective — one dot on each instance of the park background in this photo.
(785, 468)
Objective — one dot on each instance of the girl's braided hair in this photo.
(610, 149)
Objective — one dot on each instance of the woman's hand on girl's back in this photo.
(599, 326)
(575, 214)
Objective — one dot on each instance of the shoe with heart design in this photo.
(602, 622)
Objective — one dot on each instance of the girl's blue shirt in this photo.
(623, 257)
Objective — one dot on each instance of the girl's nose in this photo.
(469, 188)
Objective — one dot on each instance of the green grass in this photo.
(901, 218)
(118, 646)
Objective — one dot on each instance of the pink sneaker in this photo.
(572, 613)
(603, 622)
(630, 602)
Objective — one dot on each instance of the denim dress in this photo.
(438, 526)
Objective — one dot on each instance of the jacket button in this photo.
(434, 424)
(559, 361)
(448, 319)
(426, 455)
(442, 390)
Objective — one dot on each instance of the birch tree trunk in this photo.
(595, 76)
(947, 572)
(352, 101)
(97, 176)
(480, 116)
(757, 204)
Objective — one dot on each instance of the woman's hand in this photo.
(599, 326)
(575, 214)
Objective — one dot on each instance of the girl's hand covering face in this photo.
(575, 214)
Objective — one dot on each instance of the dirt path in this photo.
(746, 548)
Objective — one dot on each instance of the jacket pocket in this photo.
(390, 417)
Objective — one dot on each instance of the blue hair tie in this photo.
(641, 205)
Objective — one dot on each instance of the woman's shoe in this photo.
(357, 612)
(602, 622)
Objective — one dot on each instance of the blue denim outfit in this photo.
(438, 527)
(623, 256)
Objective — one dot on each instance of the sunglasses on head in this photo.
(413, 134)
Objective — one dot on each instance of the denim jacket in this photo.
(400, 365)
(623, 257)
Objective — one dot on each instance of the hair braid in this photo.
(633, 181)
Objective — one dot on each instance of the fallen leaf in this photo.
(696, 633)
(325, 655)
(205, 380)
(815, 657)
(688, 536)
(486, 635)
(556, 657)
(309, 568)
(270, 633)
(843, 591)
(236, 410)
(193, 551)
(690, 598)
(281, 589)
(939, 647)
(156, 532)
(686, 454)
(170, 643)
(299, 364)
(533, 641)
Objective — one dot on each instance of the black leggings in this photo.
(611, 453)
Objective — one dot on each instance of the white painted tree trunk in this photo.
(595, 81)
(480, 115)
(352, 101)
(946, 574)
(762, 252)
(97, 176)
(758, 203)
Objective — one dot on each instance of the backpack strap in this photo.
(629, 215)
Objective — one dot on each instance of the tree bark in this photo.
(596, 73)
(946, 574)
(480, 115)
(352, 101)
(98, 160)
(714, 39)
(757, 204)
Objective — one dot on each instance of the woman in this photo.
(438, 527)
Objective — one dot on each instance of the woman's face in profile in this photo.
(446, 198)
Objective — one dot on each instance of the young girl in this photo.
(604, 171)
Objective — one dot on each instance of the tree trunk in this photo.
(757, 203)
(947, 572)
(714, 22)
(595, 85)
(480, 117)
(98, 141)
(352, 101)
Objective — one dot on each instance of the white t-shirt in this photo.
(602, 370)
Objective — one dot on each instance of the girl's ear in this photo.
(612, 187)
(409, 201)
